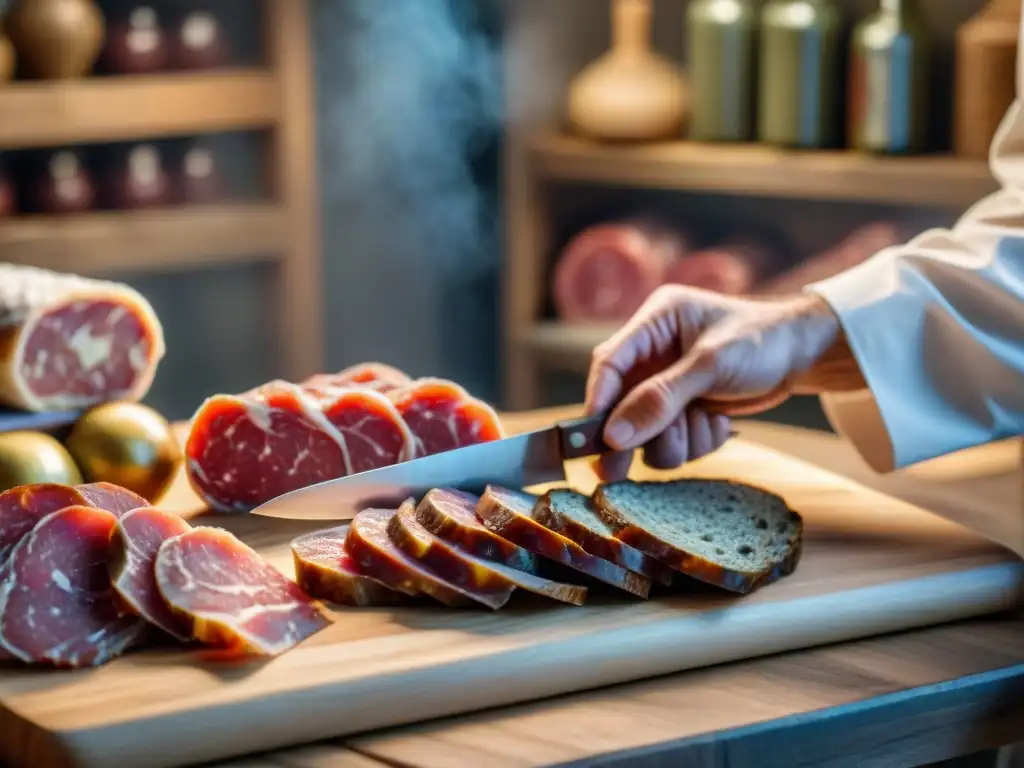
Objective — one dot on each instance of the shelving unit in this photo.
(276, 98)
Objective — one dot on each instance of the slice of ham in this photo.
(466, 571)
(379, 376)
(372, 431)
(325, 570)
(134, 544)
(371, 547)
(443, 416)
(68, 342)
(508, 514)
(57, 606)
(232, 597)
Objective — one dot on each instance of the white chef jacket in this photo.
(937, 326)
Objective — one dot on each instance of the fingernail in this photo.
(618, 433)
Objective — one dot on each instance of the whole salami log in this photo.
(68, 342)
(231, 597)
(57, 605)
(443, 416)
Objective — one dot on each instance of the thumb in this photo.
(650, 407)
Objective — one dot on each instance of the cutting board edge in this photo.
(884, 608)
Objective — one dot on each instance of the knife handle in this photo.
(582, 437)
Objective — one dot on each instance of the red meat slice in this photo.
(378, 376)
(231, 596)
(373, 432)
(244, 450)
(68, 342)
(57, 605)
(22, 507)
(134, 544)
(443, 416)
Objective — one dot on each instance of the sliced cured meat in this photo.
(68, 342)
(325, 570)
(570, 513)
(508, 513)
(372, 431)
(22, 507)
(244, 450)
(135, 541)
(57, 605)
(378, 376)
(231, 596)
(370, 545)
(467, 571)
(451, 514)
(443, 416)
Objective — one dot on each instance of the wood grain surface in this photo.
(872, 565)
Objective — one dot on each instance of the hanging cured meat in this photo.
(133, 548)
(443, 416)
(606, 272)
(325, 570)
(232, 597)
(62, 564)
(68, 342)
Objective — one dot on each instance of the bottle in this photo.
(721, 40)
(889, 58)
(799, 73)
(986, 71)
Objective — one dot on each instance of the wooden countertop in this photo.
(907, 699)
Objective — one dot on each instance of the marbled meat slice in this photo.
(133, 547)
(379, 376)
(325, 570)
(373, 432)
(571, 514)
(244, 450)
(57, 605)
(231, 596)
(22, 507)
(68, 342)
(467, 571)
(443, 416)
(377, 555)
(451, 514)
(508, 514)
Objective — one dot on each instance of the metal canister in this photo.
(889, 71)
(721, 41)
(799, 73)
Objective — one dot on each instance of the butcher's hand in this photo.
(690, 359)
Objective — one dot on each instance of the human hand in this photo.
(689, 359)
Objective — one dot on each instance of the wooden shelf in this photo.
(101, 109)
(564, 346)
(164, 240)
(939, 181)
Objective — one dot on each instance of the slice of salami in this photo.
(466, 571)
(22, 507)
(68, 342)
(325, 570)
(508, 514)
(244, 450)
(135, 541)
(373, 432)
(231, 596)
(451, 514)
(375, 553)
(57, 605)
(443, 416)
(379, 376)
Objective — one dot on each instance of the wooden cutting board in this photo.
(871, 565)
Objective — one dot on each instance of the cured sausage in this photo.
(370, 545)
(442, 416)
(134, 544)
(378, 376)
(325, 570)
(508, 514)
(372, 431)
(232, 597)
(734, 267)
(68, 342)
(467, 571)
(62, 564)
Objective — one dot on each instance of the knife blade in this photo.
(514, 462)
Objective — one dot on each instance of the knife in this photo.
(523, 460)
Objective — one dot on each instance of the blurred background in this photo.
(471, 189)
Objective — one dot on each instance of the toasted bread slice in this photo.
(729, 534)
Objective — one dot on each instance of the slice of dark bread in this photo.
(729, 534)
